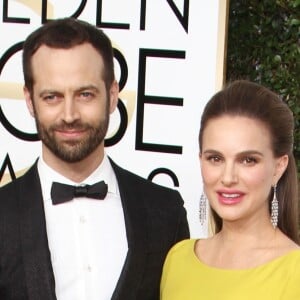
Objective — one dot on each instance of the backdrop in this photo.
(169, 60)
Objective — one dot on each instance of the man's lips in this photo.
(70, 133)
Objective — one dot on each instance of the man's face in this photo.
(70, 102)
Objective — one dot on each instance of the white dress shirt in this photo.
(87, 237)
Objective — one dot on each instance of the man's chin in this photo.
(71, 157)
(72, 150)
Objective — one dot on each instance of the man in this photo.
(83, 248)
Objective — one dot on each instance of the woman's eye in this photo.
(249, 160)
(214, 159)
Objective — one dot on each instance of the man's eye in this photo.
(86, 94)
(49, 97)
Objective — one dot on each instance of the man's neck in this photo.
(77, 171)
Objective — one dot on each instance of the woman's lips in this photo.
(230, 198)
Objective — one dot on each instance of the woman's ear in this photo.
(200, 157)
(281, 165)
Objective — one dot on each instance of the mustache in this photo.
(77, 125)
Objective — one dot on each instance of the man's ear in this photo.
(113, 96)
(28, 100)
(281, 165)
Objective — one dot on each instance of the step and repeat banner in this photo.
(169, 60)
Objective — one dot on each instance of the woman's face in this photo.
(238, 167)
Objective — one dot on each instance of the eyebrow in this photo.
(88, 87)
(247, 152)
(44, 92)
(83, 88)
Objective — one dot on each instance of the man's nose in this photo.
(71, 110)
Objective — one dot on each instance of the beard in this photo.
(72, 151)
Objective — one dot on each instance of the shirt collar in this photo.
(103, 172)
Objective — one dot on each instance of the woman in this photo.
(249, 176)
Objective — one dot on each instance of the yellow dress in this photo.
(185, 277)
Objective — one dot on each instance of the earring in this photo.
(274, 209)
(202, 208)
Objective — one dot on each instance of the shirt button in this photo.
(82, 219)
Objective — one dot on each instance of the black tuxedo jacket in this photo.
(154, 216)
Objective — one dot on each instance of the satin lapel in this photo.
(136, 229)
(36, 255)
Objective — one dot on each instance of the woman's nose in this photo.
(229, 175)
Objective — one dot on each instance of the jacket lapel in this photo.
(136, 230)
(36, 255)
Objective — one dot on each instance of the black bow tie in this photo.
(61, 193)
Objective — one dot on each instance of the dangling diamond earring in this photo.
(202, 208)
(274, 208)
